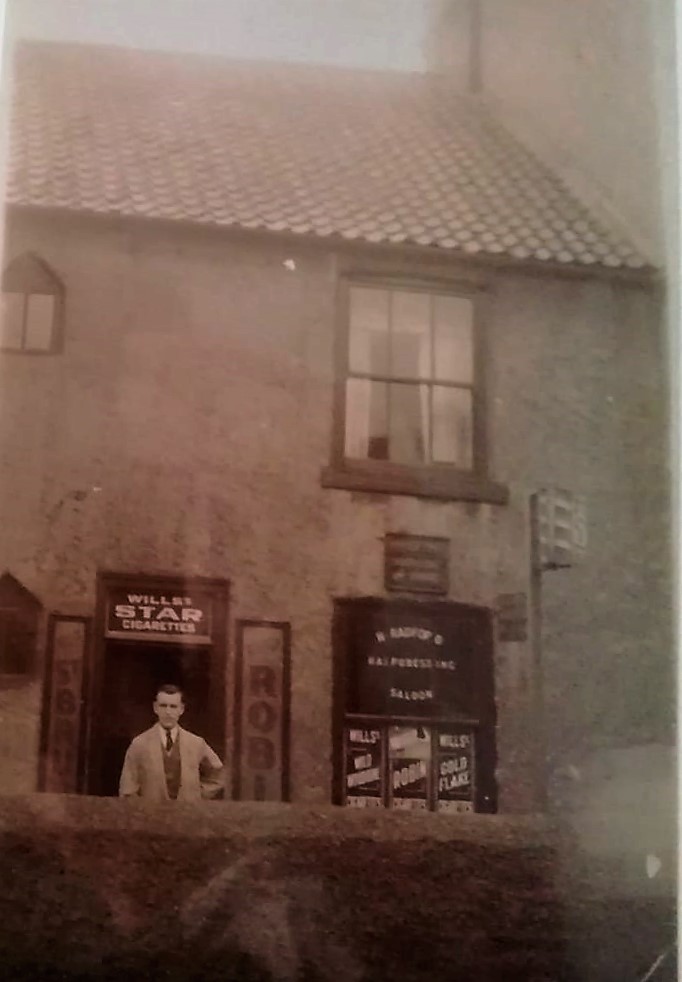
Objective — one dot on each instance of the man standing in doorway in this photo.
(168, 762)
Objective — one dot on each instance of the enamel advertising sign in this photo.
(364, 768)
(455, 771)
(159, 617)
(409, 752)
(262, 735)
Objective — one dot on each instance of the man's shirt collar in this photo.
(162, 733)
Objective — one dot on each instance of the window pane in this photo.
(453, 338)
(366, 419)
(368, 330)
(411, 335)
(409, 423)
(12, 315)
(452, 426)
(39, 322)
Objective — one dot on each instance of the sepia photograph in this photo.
(339, 487)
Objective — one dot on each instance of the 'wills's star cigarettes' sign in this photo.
(159, 617)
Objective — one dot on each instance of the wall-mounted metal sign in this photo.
(416, 564)
(364, 767)
(558, 528)
(161, 616)
(456, 761)
(409, 754)
(262, 711)
(512, 617)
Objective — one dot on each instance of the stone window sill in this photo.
(442, 483)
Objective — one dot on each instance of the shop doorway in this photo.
(139, 648)
(132, 673)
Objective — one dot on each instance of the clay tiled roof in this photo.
(372, 156)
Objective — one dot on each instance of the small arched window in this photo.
(31, 318)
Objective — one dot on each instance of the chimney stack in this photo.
(453, 43)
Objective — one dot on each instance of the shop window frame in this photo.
(483, 724)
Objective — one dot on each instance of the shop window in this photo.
(415, 710)
(409, 767)
(410, 393)
(19, 620)
(31, 317)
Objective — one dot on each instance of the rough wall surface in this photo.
(195, 390)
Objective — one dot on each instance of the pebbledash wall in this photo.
(195, 389)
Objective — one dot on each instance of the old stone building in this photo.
(287, 354)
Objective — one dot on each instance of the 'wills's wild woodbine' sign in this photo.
(159, 616)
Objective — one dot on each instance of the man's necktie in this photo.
(169, 741)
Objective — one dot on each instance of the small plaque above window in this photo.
(416, 564)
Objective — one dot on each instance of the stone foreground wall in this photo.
(101, 889)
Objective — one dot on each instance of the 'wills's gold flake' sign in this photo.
(159, 617)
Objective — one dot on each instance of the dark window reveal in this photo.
(15, 641)
(19, 620)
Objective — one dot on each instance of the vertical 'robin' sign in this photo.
(262, 713)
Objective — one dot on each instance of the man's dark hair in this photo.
(170, 690)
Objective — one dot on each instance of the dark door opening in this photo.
(131, 674)
(152, 630)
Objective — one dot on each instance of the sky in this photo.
(386, 34)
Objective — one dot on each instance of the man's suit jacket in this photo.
(201, 770)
